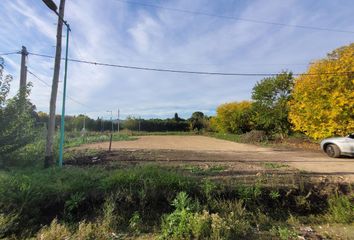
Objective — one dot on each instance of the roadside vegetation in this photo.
(116, 203)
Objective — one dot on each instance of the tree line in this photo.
(196, 122)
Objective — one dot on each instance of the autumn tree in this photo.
(323, 98)
(234, 117)
(270, 97)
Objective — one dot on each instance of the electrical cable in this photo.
(236, 18)
(48, 85)
(186, 71)
(9, 53)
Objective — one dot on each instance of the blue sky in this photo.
(118, 32)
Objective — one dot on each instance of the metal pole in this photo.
(61, 147)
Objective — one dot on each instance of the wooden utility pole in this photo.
(23, 74)
(49, 159)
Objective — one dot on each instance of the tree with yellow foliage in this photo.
(234, 117)
(322, 102)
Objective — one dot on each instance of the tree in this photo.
(323, 104)
(16, 121)
(177, 118)
(234, 117)
(270, 97)
(197, 121)
(131, 123)
(4, 84)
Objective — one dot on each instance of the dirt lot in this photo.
(238, 159)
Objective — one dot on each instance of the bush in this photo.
(254, 136)
(284, 233)
(233, 117)
(340, 210)
(186, 222)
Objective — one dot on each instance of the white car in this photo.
(338, 146)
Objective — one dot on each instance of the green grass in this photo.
(198, 170)
(91, 201)
(32, 155)
(140, 196)
(37, 196)
(274, 165)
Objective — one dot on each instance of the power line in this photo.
(186, 71)
(48, 85)
(9, 53)
(236, 18)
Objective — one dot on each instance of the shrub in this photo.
(284, 233)
(340, 209)
(87, 231)
(233, 117)
(184, 223)
(254, 136)
(135, 223)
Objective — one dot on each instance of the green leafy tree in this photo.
(197, 121)
(177, 118)
(271, 96)
(16, 118)
(131, 123)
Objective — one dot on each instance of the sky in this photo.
(136, 33)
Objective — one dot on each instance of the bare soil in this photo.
(235, 158)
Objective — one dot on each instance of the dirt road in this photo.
(199, 148)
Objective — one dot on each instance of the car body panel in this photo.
(345, 144)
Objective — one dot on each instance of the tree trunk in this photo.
(49, 160)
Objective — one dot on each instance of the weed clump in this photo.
(55, 231)
(340, 209)
(186, 222)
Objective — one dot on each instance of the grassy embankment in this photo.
(98, 203)
(159, 202)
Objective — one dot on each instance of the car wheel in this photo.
(332, 150)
